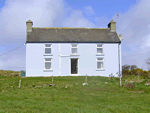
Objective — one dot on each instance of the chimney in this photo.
(120, 37)
(29, 24)
(112, 26)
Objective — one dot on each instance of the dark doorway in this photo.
(74, 66)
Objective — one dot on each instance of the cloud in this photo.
(89, 10)
(45, 13)
(134, 26)
(76, 19)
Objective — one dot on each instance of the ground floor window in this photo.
(48, 63)
(100, 63)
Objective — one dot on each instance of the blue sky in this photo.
(133, 23)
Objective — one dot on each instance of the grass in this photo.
(97, 97)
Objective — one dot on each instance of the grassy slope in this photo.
(98, 98)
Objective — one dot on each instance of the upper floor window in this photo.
(74, 49)
(48, 49)
(99, 49)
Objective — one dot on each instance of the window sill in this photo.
(48, 55)
(100, 69)
(47, 70)
(99, 54)
(74, 55)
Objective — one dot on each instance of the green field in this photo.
(70, 96)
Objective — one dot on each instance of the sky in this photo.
(133, 23)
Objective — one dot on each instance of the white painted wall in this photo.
(87, 59)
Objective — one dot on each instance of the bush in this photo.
(137, 72)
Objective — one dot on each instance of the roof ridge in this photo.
(65, 28)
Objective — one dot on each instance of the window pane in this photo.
(47, 50)
(99, 45)
(100, 50)
(47, 59)
(100, 59)
(47, 65)
(74, 45)
(74, 50)
(48, 45)
(99, 65)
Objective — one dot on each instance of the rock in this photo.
(85, 84)
(147, 83)
(51, 84)
(37, 86)
(138, 91)
(129, 85)
(131, 81)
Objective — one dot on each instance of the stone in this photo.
(131, 81)
(85, 84)
(147, 83)
(51, 84)
(129, 85)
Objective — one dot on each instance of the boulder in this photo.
(85, 84)
(147, 83)
(129, 85)
(51, 84)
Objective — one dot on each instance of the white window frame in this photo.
(100, 61)
(74, 47)
(47, 61)
(99, 47)
(48, 47)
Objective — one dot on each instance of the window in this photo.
(48, 48)
(99, 49)
(100, 63)
(48, 63)
(74, 48)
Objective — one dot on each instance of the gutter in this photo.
(120, 75)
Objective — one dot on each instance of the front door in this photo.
(74, 66)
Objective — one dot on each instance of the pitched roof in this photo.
(72, 35)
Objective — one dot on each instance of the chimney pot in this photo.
(120, 37)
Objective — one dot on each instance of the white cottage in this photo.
(73, 51)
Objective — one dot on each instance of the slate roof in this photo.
(39, 35)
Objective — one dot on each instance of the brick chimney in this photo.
(112, 26)
(29, 24)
